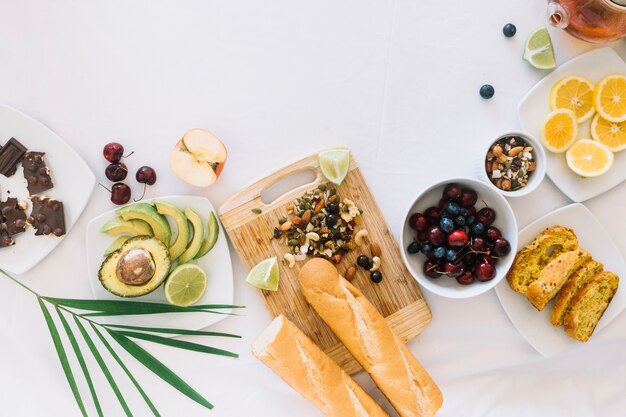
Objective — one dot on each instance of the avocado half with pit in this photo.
(137, 268)
(180, 244)
(147, 213)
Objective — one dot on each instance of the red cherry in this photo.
(418, 222)
(116, 172)
(466, 279)
(471, 211)
(501, 247)
(486, 216)
(492, 233)
(452, 191)
(489, 259)
(468, 198)
(113, 152)
(479, 244)
(146, 175)
(431, 269)
(484, 271)
(120, 193)
(433, 214)
(422, 237)
(436, 236)
(454, 270)
(457, 238)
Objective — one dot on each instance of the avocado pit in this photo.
(136, 267)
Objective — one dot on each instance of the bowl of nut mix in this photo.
(514, 164)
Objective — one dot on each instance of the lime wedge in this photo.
(334, 164)
(539, 51)
(185, 285)
(265, 275)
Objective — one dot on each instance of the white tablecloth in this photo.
(395, 80)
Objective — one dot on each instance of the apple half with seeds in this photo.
(198, 158)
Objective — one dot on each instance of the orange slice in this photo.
(559, 130)
(574, 93)
(589, 158)
(611, 134)
(609, 98)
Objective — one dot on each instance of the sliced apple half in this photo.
(198, 158)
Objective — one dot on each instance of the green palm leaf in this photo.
(103, 367)
(81, 360)
(181, 344)
(158, 368)
(125, 369)
(172, 331)
(58, 345)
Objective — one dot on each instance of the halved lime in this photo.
(265, 275)
(335, 164)
(185, 285)
(539, 51)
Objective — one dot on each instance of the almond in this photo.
(516, 150)
(375, 248)
(305, 219)
(337, 258)
(350, 273)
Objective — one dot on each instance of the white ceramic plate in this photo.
(535, 325)
(533, 109)
(216, 264)
(72, 178)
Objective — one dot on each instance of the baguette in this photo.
(564, 297)
(368, 337)
(309, 371)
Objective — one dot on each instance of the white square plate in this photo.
(73, 185)
(534, 108)
(216, 264)
(535, 325)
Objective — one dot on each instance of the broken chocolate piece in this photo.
(36, 172)
(5, 239)
(47, 216)
(13, 216)
(11, 155)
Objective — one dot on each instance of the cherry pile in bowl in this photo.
(457, 239)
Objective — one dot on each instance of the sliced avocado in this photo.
(208, 243)
(117, 243)
(137, 268)
(180, 244)
(118, 226)
(198, 236)
(147, 213)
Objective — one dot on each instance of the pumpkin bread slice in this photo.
(554, 275)
(564, 297)
(589, 304)
(530, 261)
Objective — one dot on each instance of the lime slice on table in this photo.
(185, 285)
(335, 164)
(539, 52)
(265, 275)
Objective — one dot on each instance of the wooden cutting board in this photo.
(397, 297)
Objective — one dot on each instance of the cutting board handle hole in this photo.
(287, 184)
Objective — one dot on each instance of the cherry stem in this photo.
(100, 184)
(143, 194)
(126, 156)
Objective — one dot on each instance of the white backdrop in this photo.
(395, 80)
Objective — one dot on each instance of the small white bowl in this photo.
(505, 221)
(534, 179)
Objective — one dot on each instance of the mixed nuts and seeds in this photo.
(510, 162)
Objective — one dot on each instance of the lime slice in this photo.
(265, 275)
(539, 52)
(334, 164)
(185, 285)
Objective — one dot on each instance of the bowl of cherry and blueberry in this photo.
(459, 238)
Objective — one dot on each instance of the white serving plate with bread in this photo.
(535, 325)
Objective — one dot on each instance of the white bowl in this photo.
(505, 221)
(534, 179)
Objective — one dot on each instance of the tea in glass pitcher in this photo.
(596, 21)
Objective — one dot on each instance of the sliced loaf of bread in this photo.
(564, 297)
(554, 275)
(589, 304)
(531, 260)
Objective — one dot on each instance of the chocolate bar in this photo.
(11, 155)
(13, 216)
(36, 172)
(5, 239)
(47, 216)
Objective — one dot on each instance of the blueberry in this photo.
(440, 252)
(426, 248)
(459, 220)
(487, 91)
(446, 224)
(451, 255)
(509, 30)
(413, 247)
(470, 220)
(453, 208)
(478, 229)
(333, 208)
(376, 276)
(363, 261)
(463, 211)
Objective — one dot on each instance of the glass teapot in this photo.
(596, 21)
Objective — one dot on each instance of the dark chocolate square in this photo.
(11, 155)
(36, 172)
(47, 216)
(13, 216)
(5, 239)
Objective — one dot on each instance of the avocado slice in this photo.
(180, 244)
(118, 226)
(137, 268)
(117, 243)
(198, 236)
(208, 243)
(147, 213)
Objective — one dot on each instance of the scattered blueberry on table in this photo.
(487, 91)
(509, 30)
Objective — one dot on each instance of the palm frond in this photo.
(181, 344)
(185, 332)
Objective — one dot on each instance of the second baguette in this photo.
(368, 337)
